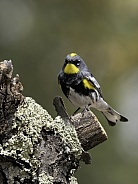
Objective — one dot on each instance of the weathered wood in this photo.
(10, 98)
(34, 147)
(90, 131)
(60, 107)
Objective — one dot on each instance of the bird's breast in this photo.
(78, 99)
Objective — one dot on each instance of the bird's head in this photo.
(73, 64)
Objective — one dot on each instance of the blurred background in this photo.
(37, 36)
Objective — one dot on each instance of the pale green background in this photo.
(37, 35)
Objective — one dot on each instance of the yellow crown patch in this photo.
(73, 54)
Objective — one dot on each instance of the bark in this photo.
(34, 147)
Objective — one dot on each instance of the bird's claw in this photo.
(86, 109)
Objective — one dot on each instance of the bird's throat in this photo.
(71, 69)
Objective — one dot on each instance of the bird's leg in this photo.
(86, 108)
(76, 111)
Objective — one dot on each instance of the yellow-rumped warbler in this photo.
(82, 89)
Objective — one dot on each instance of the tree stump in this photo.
(34, 147)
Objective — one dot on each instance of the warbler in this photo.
(82, 89)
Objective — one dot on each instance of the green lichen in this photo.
(69, 136)
(73, 180)
(29, 119)
(45, 179)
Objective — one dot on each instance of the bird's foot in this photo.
(85, 110)
(71, 117)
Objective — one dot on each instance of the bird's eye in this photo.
(78, 63)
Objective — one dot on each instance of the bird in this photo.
(82, 89)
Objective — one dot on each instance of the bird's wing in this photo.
(93, 81)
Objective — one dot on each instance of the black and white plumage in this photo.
(82, 89)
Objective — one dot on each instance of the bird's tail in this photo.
(113, 116)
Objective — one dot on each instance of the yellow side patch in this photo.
(71, 69)
(87, 84)
(73, 54)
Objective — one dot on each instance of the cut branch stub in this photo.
(90, 131)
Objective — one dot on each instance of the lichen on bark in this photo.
(34, 147)
(32, 124)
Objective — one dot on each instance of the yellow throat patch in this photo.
(87, 84)
(71, 69)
